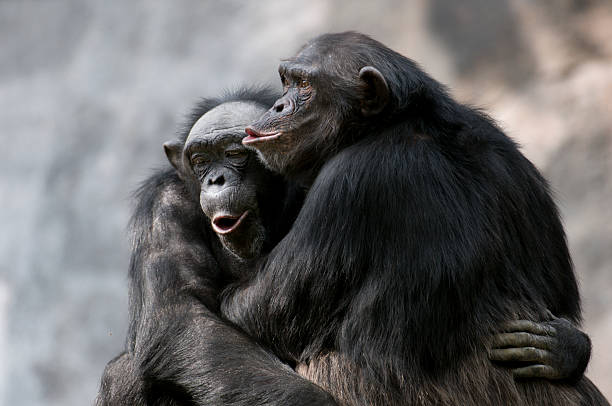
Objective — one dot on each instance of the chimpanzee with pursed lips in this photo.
(179, 351)
(423, 228)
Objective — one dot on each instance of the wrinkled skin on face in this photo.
(301, 122)
(314, 117)
(227, 176)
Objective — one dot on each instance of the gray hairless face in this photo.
(227, 175)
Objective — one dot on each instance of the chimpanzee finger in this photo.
(521, 339)
(549, 315)
(526, 354)
(536, 371)
(528, 326)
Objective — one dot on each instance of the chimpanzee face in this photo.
(228, 175)
(327, 93)
(292, 127)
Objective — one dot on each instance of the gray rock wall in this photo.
(90, 90)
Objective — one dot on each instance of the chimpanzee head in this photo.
(338, 89)
(332, 95)
(234, 188)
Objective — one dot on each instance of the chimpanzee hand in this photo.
(553, 349)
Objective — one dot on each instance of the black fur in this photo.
(179, 351)
(424, 227)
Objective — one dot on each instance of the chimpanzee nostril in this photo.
(216, 180)
(279, 107)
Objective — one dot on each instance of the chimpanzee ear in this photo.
(174, 152)
(376, 91)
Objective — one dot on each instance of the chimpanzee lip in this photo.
(254, 136)
(226, 223)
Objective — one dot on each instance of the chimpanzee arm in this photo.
(121, 384)
(205, 359)
(180, 348)
(555, 349)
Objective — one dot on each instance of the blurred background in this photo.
(89, 90)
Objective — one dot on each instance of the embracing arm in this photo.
(120, 384)
(210, 362)
(200, 359)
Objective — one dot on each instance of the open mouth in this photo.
(225, 224)
(254, 136)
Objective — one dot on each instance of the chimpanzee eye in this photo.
(199, 160)
(304, 84)
(236, 154)
(284, 80)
